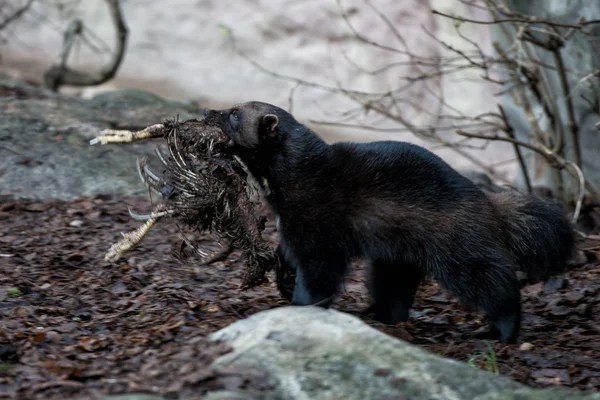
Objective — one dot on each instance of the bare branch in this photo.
(557, 161)
(60, 74)
(518, 18)
(572, 126)
(363, 38)
(527, 80)
(511, 133)
(16, 15)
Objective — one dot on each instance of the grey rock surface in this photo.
(313, 353)
(581, 57)
(44, 140)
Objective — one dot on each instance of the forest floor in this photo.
(72, 324)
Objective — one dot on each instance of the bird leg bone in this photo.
(132, 239)
(124, 136)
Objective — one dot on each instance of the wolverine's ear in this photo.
(270, 122)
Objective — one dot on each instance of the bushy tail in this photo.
(537, 231)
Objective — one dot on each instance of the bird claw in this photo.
(153, 215)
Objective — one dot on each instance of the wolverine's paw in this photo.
(285, 278)
(386, 314)
(487, 334)
(493, 333)
(325, 303)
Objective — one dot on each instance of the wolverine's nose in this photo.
(212, 117)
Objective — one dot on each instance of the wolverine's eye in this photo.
(234, 119)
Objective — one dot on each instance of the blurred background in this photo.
(362, 70)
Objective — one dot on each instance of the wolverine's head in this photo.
(250, 124)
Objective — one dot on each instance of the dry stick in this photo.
(528, 111)
(417, 132)
(354, 95)
(60, 74)
(518, 18)
(543, 95)
(532, 82)
(363, 38)
(573, 127)
(16, 15)
(511, 133)
(554, 159)
(283, 77)
(396, 130)
(554, 45)
(420, 133)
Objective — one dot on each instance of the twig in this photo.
(528, 82)
(581, 182)
(16, 15)
(363, 38)
(389, 24)
(511, 133)
(521, 19)
(556, 160)
(60, 74)
(291, 98)
(573, 127)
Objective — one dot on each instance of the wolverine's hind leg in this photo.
(488, 283)
(393, 287)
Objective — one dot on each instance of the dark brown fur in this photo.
(401, 207)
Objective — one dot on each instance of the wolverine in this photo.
(402, 208)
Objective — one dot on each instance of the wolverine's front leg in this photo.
(285, 275)
(319, 274)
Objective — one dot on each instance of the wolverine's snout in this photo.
(213, 117)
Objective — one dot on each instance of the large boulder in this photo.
(313, 353)
(44, 140)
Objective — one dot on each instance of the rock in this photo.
(44, 140)
(313, 353)
(133, 396)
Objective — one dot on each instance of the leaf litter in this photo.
(81, 326)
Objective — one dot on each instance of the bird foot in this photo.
(124, 136)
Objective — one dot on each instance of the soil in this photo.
(74, 325)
